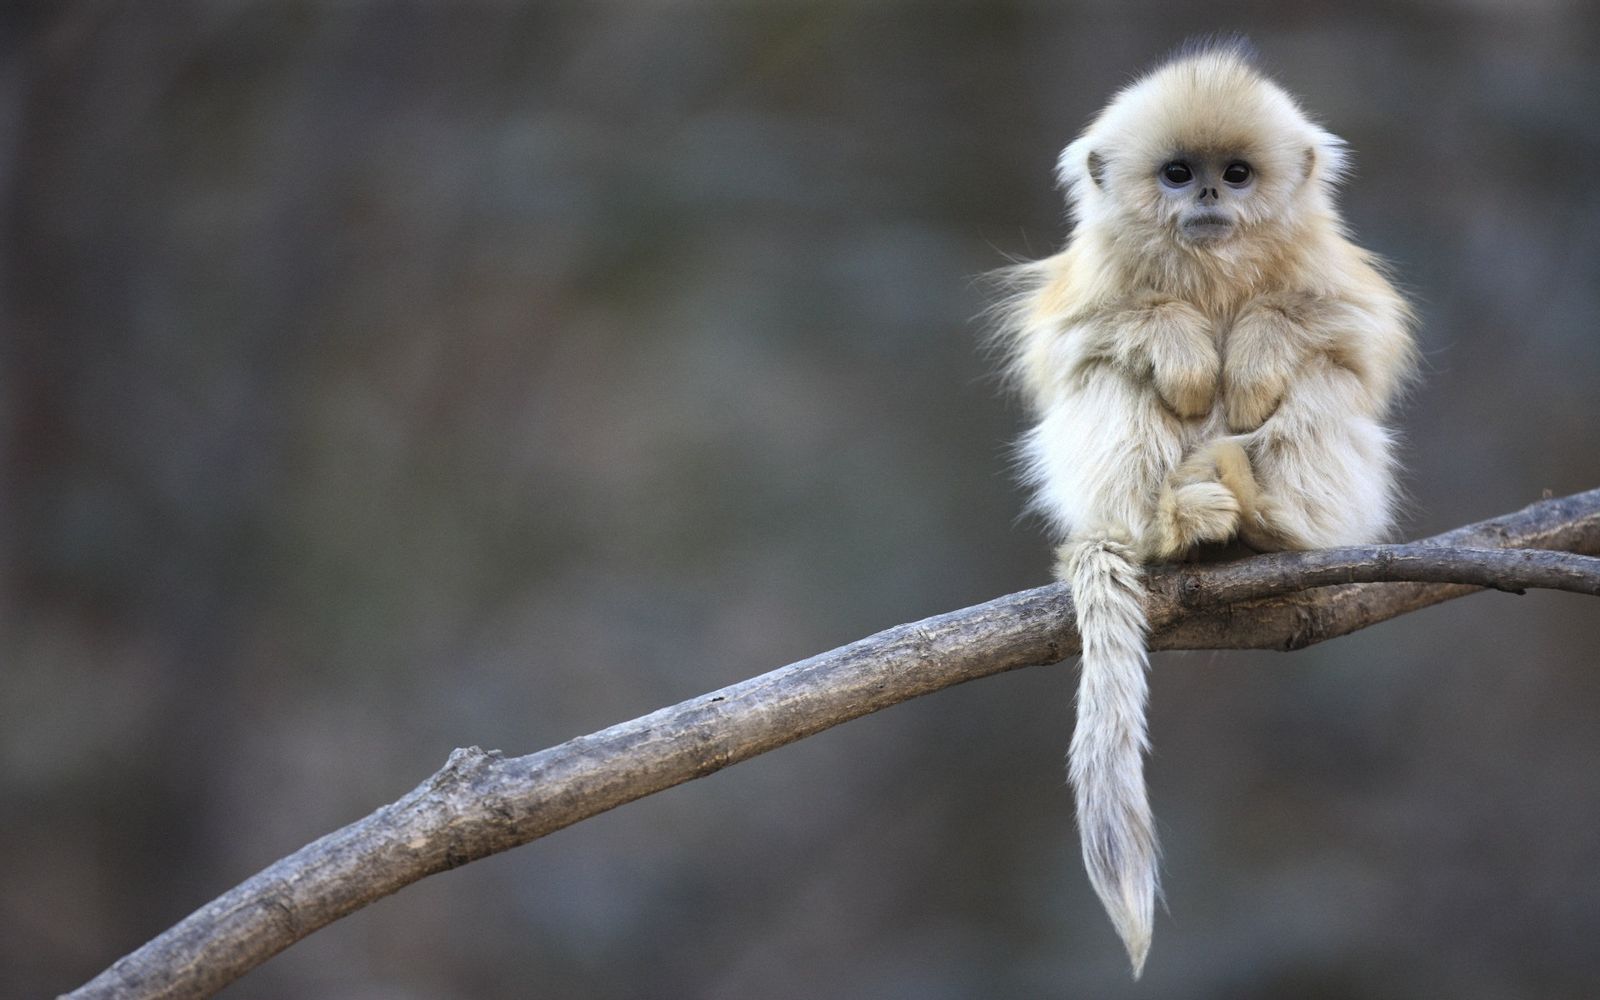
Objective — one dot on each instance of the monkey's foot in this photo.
(1224, 461)
(1192, 513)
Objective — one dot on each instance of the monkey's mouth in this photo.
(1207, 228)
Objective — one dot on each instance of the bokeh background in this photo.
(378, 378)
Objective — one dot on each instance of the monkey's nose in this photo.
(1208, 194)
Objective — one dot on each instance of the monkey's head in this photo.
(1204, 154)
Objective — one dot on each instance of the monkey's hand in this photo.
(1171, 342)
(1266, 347)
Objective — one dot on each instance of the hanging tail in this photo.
(1106, 762)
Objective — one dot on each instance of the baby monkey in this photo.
(1210, 361)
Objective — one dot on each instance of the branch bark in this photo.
(481, 803)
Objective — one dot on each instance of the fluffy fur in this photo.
(1210, 362)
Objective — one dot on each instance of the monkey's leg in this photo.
(1323, 465)
(1100, 456)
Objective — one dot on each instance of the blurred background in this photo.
(378, 378)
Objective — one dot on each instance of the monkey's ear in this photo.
(1325, 159)
(1080, 168)
(1097, 169)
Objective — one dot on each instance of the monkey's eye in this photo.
(1177, 173)
(1236, 173)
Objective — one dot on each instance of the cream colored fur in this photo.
(1192, 391)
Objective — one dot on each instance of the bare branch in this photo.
(1511, 570)
(482, 803)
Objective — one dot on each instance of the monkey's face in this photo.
(1204, 156)
(1205, 198)
(1206, 187)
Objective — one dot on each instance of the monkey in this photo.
(1210, 362)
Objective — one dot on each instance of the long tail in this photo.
(1106, 762)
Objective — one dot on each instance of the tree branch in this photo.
(481, 803)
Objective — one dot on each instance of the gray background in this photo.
(378, 378)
